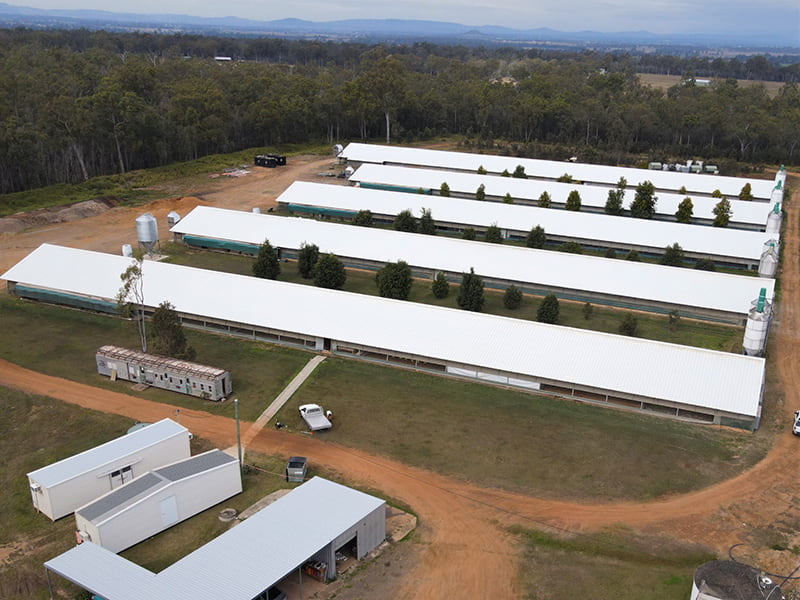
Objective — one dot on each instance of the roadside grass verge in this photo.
(62, 342)
(497, 437)
(688, 332)
(615, 564)
(136, 186)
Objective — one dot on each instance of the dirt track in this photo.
(464, 552)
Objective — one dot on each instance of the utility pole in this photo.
(238, 434)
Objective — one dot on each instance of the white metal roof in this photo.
(240, 563)
(550, 169)
(668, 372)
(595, 196)
(667, 285)
(98, 456)
(722, 242)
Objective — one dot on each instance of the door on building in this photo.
(169, 511)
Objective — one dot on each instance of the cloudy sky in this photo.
(658, 16)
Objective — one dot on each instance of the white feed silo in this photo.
(173, 218)
(348, 171)
(768, 265)
(127, 251)
(147, 232)
(757, 328)
(774, 219)
(777, 193)
(337, 149)
(780, 176)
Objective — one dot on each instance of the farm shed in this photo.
(734, 247)
(630, 284)
(310, 523)
(356, 154)
(157, 500)
(670, 379)
(60, 488)
(745, 215)
(166, 373)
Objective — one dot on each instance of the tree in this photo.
(507, 199)
(307, 257)
(746, 193)
(480, 193)
(468, 233)
(610, 253)
(571, 247)
(440, 286)
(363, 218)
(405, 221)
(505, 173)
(470, 294)
(548, 309)
(644, 202)
(587, 311)
(536, 237)
(614, 203)
(716, 194)
(673, 256)
(674, 316)
(565, 178)
(444, 190)
(705, 264)
(544, 200)
(493, 234)
(266, 265)
(722, 213)
(130, 297)
(685, 211)
(329, 272)
(633, 256)
(394, 280)
(629, 325)
(512, 297)
(481, 170)
(168, 336)
(519, 172)
(426, 224)
(573, 201)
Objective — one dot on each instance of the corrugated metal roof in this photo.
(175, 365)
(600, 228)
(106, 453)
(240, 563)
(595, 196)
(694, 376)
(549, 169)
(667, 285)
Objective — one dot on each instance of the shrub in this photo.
(512, 297)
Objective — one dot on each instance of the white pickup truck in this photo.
(314, 417)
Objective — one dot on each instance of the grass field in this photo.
(651, 326)
(664, 82)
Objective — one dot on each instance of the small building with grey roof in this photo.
(159, 499)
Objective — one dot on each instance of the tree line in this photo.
(77, 104)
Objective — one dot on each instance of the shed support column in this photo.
(49, 585)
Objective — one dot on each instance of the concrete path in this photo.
(282, 398)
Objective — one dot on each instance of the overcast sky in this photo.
(658, 16)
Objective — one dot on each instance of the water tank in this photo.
(774, 219)
(127, 250)
(147, 231)
(256, 210)
(173, 218)
(337, 149)
(768, 265)
(757, 328)
(348, 171)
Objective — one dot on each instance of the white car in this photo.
(314, 417)
(796, 424)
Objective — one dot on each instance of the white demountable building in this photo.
(158, 500)
(306, 526)
(60, 488)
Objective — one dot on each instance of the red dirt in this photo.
(464, 551)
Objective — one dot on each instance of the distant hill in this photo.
(371, 30)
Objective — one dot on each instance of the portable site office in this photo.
(60, 488)
(166, 373)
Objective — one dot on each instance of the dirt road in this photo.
(464, 551)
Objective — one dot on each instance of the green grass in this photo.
(145, 184)
(652, 326)
(515, 440)
(611, 565)
(259, 371)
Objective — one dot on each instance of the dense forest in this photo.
(76, 104)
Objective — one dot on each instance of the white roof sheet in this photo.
(667, 285)
(595, 196)
(98, 456)
(240, 563)
(721, 242)
(550, 169)
(670, 372)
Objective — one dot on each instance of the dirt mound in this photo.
(57, 214)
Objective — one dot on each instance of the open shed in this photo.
(60, 488)
(158, 500)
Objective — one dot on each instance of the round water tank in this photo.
(337, 149)
(256, 210)
(348, 171)
(127, 250)
(146, 229)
